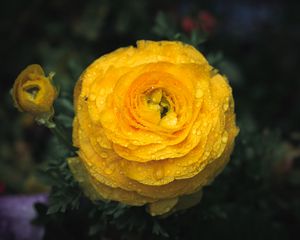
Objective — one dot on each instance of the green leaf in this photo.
(158, 230)
(166, 28)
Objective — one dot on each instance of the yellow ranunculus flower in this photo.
(153, 125)
(34, 93)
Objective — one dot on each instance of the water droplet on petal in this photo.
(225, 106)
(103, 164)
(199, 93)
(89, 164)
(224, 139)
(159, 174)
(108, 171)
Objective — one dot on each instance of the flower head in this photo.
(153, 125)
(34, 93)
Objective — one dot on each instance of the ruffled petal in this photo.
(153, 126)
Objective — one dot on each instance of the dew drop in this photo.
(108, 171)
(159, 174)
(88, 163)
(199, 93)
(103, 164)
(225, 106)
(224, 139)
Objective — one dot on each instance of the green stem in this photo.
(59, 131)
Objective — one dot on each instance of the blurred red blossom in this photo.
(208, 22)
(205, 21)
(188, 24)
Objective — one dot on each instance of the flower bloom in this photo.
(34, 93)
(207, 21)
(188, 24)
(153, 125)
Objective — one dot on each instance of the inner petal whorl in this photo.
(157, 101)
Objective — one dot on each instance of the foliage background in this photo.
(255, 43)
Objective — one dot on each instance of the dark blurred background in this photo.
(255, 43)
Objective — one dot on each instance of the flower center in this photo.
(32, 91)
(159, 104)
(157, 101)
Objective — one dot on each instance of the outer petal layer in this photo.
(153, 125)
(33, 92)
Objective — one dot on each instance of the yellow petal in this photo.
(161, 207)
(33, 92)
(153, 125)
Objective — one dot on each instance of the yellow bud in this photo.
(34, 93)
